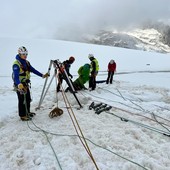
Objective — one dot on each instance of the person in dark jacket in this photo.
(94, 71)
(66, 65)
(21, 76)
(111, 70)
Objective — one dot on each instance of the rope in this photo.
(162, 107)
(62, 135)
(141, 109)
(139, 115)
(80, 137)
(160, 122)
(149, 127)
(25, 103)
(77, 127)
(146, 111)
(140, 124)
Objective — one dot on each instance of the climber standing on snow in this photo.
(111, 70)
(94, 71)
(21, 76)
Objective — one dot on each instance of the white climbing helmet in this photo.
(22, 50)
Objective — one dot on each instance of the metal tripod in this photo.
(57, 66)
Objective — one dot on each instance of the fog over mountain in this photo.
(151, 36)
(73, 20)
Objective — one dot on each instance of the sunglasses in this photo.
(24, 54)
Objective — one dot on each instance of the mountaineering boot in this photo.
(31, 114)
(91, 106)
(26, 118)
(97, 105)
(103, 109)
(102, 106)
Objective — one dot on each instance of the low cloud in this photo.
(73, 19)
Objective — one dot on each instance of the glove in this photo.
(20, 86)
(70, 76)
(45, 75)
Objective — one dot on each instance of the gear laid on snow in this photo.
(98, 108)
(103, 109)
(97, 105)
(55, 112)
(91, 106)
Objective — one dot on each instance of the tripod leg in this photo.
(40, 102)
(70, 84)
(47, 88)
(68, 81)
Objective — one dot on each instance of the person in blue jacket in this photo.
(21, 76)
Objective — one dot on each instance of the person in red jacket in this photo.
(111, 70)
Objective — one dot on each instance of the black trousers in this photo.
(110, 77)
(60, 81)
(23, 108)
(92, 82)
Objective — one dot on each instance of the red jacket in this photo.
(112, 67)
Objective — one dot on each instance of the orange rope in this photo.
(77, 127)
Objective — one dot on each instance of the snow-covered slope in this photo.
(141, 96)
(149, 40)
(42, 51)
(151, 36)
(140, 39)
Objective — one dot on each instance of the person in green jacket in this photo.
(83, 73)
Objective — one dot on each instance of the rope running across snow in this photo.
(77, 127)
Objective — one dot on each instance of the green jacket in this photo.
(83, 72)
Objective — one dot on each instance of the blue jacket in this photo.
(16, 69)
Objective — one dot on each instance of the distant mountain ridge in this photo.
(152, 37)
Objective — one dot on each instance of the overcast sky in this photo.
(72, 18)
